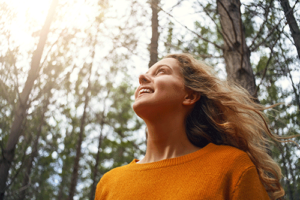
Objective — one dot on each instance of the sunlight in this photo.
(28, 13)
(33, 9)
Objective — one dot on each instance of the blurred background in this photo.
(68, 71)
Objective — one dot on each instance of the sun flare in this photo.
(31, 9)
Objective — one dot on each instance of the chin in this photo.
(138, 108)
(142, 109)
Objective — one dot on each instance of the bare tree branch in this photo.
(263, 24)
(267, 64)
(255, 47)
(199, 36)
(297, 97)
(225, 36)
(177, 4)
(294, 28)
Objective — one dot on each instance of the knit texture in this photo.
(214, 172)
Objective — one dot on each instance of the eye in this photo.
(160, 71)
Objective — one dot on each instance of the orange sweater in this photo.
(213, 172)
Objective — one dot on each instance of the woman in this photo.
(205, 140)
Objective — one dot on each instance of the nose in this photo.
(144, 78)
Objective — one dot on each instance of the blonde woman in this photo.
(205, 140)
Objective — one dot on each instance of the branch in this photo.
(21, 189)
(177, 4)
(184, 51)
(220, 31)
(4, 93)
(271, 32)
(294, 88)
(54, 43)
(264, 73)
(204, 39)
(17, 82)
(20, 168)
(266, 67)
(293, 84)
(262, 25)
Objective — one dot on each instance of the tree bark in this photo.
(295, 31)
(235, 51)
(155, 34)
(21, 109)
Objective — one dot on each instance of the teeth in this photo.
(145, 91)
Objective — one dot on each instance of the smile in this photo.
(145, 90)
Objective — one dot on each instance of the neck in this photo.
(167, 139)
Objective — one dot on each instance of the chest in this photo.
(165, 185)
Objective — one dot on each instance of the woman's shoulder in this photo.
(227, 155)
(115, 172)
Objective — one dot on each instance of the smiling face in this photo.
(161, 89)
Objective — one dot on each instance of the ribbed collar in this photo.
(171, 161)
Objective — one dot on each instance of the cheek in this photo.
(173, 88)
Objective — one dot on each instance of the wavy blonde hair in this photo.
(227, 114)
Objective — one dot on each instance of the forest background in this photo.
(68, 70)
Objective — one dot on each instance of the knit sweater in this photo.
(214, 172)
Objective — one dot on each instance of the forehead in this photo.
(171, 62)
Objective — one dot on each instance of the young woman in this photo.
(206, 139)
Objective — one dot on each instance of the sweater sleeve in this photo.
(98, 191)
(249, 186)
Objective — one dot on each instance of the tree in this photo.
(82, 127)
(19, 116)
(294, 28)
(236, 52)
(155, 34)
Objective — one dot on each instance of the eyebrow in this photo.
(161, 66)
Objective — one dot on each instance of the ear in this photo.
(191, 97)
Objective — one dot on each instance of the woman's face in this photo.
(161, 89)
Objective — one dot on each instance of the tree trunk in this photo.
(78, 149)
(95, 170)
(292, 173)
(100, 139)
(289, 14)
(288, 182)
(65, 167)
(236, 52)
(21, 109)
(61, 194)
(155, 34)
(74, 177)
(33, 155)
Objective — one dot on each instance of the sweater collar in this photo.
(171, 161)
